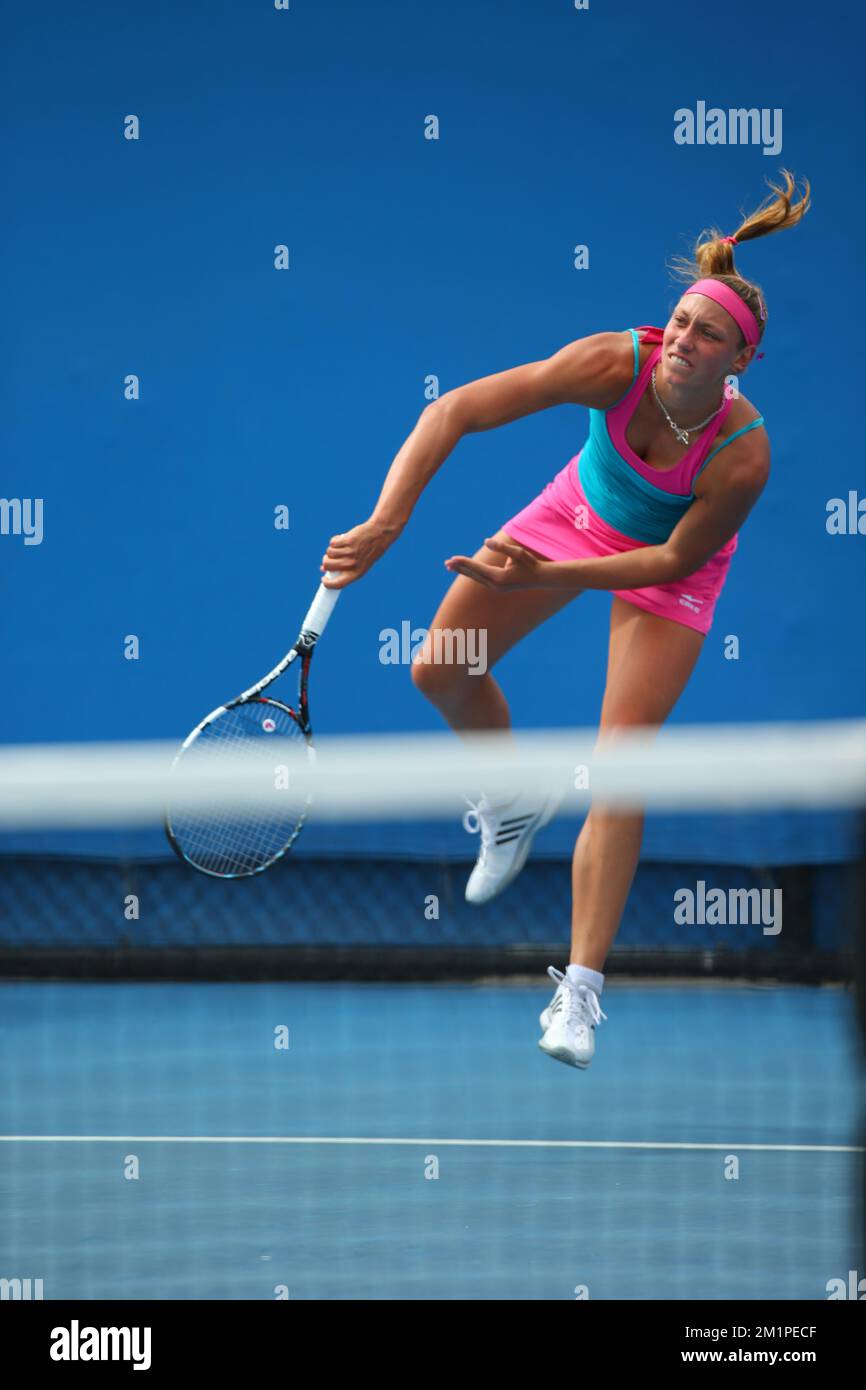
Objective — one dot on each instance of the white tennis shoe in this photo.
(569, 1022)
(507, 831)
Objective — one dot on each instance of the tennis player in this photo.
(649, 509)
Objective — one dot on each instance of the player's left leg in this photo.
(471, 702)
(650, 660)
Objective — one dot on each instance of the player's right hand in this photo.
(351, 554)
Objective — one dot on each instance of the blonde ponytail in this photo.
(713, 255)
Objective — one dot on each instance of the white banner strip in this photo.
(420, 776)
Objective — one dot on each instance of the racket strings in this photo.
(231, 844)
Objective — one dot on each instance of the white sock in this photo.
(582, 975)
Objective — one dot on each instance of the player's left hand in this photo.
(521, 570)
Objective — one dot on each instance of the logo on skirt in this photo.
(689, 601)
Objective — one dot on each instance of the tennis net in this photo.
(323, 1081)
(738, 820)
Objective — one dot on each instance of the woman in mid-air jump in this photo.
(649, 508)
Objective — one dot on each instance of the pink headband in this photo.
(735, 306)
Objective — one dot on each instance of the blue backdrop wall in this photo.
(409, 258)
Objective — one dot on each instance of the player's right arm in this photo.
(592, 371)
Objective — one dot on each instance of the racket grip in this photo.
(320, 609)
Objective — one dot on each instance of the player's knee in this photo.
(438, 682)
(429, 679)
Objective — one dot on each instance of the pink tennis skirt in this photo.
(561, 525)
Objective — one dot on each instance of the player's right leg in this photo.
(474, 627)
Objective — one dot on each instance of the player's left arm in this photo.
(725, 493)
(724, 497)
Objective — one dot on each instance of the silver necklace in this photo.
(681, 434)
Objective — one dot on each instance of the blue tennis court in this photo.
(411, 1141)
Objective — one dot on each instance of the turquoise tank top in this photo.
(642, 502)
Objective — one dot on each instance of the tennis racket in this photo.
(256, 729)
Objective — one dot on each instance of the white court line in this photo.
(454, 1143)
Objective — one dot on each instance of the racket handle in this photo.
(320, 609)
